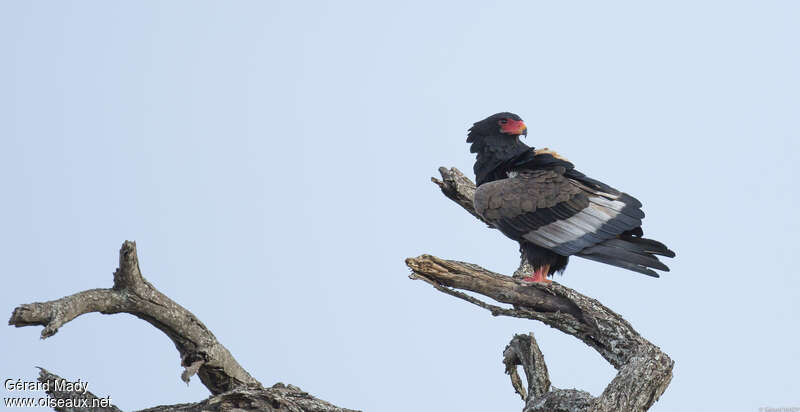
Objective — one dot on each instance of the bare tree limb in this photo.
(459, 189)
(132, 294)
(644, 372)
(232, 386)
(523, 350)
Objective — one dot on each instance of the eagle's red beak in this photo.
(514, 128)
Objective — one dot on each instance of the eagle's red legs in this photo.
(540, 275)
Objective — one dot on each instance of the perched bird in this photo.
(537, 197)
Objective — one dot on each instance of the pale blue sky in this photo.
(272, 161)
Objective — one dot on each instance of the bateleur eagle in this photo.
(537, 197)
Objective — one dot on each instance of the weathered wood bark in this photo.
(644, 372)
(232, 386)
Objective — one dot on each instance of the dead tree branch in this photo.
(523, 350)
(644, 372)
(201, 353)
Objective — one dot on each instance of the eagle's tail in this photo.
(633, 253)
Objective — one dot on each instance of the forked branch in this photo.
(200, 351)
(232, 386)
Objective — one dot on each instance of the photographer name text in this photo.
(64, 385)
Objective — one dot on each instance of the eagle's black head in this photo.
(499, 124)
(496, 140)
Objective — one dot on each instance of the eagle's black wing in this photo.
(547, 203)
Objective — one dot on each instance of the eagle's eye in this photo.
(503, 121)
